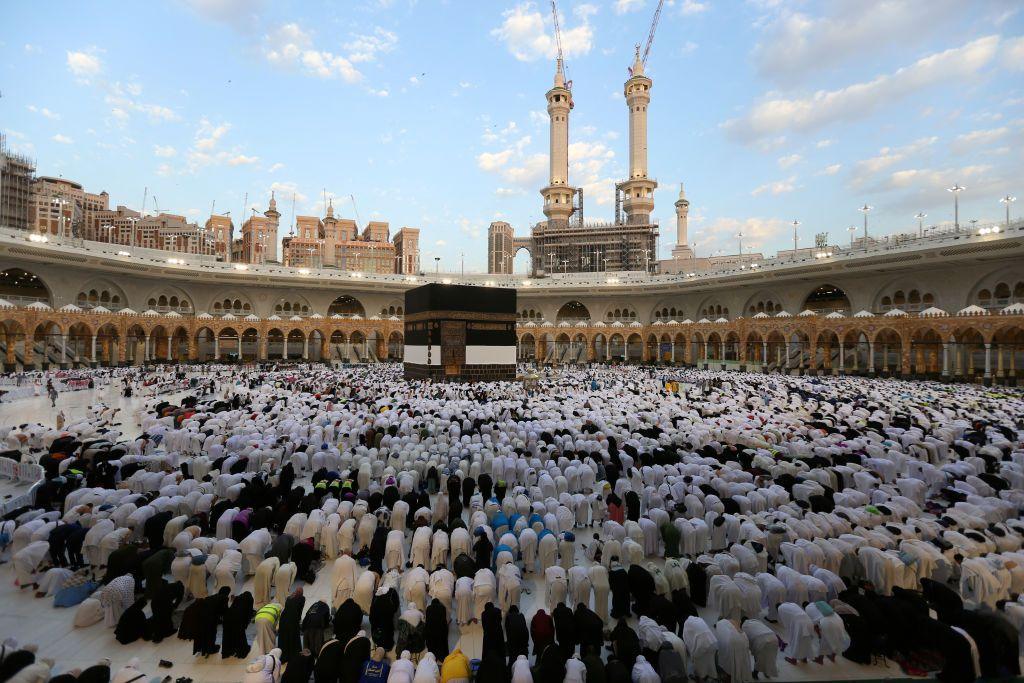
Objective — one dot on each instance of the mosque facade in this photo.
(950, 307)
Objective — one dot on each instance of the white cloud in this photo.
(1013, 54)
(526, 34)
(365, 48)
(165, 151)
(776, 187)
(721, 233)
(120, 99)
(796, 44)
(969, 142)
(286, 191)
(831, 170)
(44, 112)
(528, 172)
(242, 160)
(624, 6)
(492, 161)
(887, 157)
(290, 46)
(822, 144)
(413, 80)
(377, 93)
(789, 160)
(84, 64)
(32, 49)
(690, 7)
(164, 170)
(440, 243)
(776, 114)
(62, 139)
(209, 134)
(688, 47)
(275, 167)
(508, 191)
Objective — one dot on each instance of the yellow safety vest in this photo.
(269, 613)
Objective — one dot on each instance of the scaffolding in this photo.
(16, 175)
(576, 247)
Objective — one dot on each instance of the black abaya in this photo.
(289, 630)
(235, 643)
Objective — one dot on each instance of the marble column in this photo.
(945, 359)
(988, 360)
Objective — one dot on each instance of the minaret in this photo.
(273, 221)
(558, 193)
(331, 237)
(638, 189)
(682, 250)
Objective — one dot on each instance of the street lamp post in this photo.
(852, 229)
(647, 260)
(973, 222)
(920, 216)
(437, 265)
(956, 190)
(551, 261)
(565, 266)
(1008, 199)
(865, 209)
(795, 237)
(739, 236)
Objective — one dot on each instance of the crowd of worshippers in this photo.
(705, 531)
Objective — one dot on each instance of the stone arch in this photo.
(755, 351)
(1007, 281)
(666, 310)
(101, 292)
(617, 346)
(292, 304)
(168, 298)
(906, 295)
(634, 348)
(1008, 351)
(249, 344)
(572, 311)
(396, 344)
(527, 347)
(968, 352)
(827, 298)
(231, 301)
(22, 287)
(926, 352)
(275, 343)
(764, 301)
(228, 344)
(346, 306)
(135, 344)
(712, 308)
(530, 315)
(108, 342)
(887, 356)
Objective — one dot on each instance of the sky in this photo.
(431, 113)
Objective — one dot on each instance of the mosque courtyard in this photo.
(829, 528)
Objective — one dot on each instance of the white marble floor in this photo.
(34, 620)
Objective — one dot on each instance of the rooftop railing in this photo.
(935, 236)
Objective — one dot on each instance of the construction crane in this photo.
(558, 43)
(650, 35)
(358, 219)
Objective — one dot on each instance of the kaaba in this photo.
(460, 333)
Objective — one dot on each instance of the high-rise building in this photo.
(58, 206)
(16, 173)
(258, 243)
(407, 250)
(220, 229)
